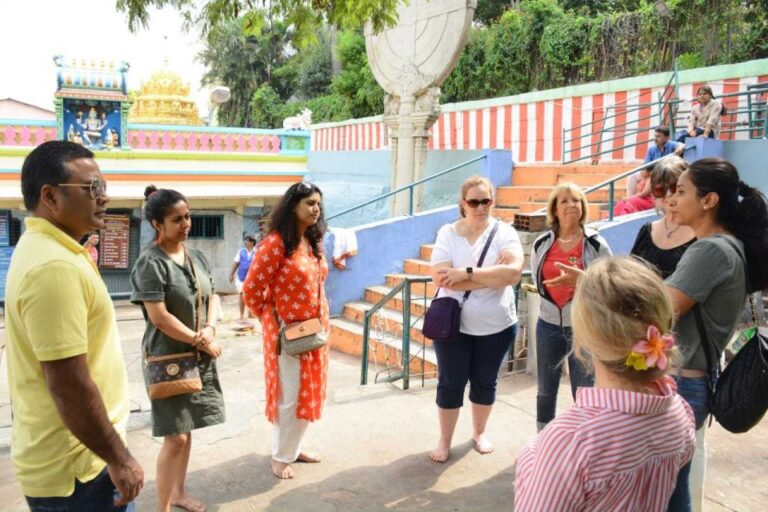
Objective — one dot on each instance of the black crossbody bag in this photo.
(738, 397)
(443, 319)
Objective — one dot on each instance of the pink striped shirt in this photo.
(614, 450)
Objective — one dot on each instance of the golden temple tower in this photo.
(164, 99)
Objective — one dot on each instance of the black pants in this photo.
(473, 359)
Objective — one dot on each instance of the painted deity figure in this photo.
(92, 126)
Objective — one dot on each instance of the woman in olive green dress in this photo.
(165, 284)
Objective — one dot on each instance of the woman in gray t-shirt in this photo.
(730, 220)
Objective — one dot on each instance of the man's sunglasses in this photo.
(474, 203)
(97, 187)
(660, 191)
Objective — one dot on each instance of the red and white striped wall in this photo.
(532, 128)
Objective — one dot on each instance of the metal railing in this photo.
(410, 188)
(669, 113)
(403, 287)
(755, 109)
(587, 130)
(404, 373)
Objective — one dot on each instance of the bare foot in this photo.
(282, 470)
(308, 457)
(441, 453)
(482, 444)
(188, 503)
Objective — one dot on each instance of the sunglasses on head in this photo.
(97, 187)
(474, 203)
(660, 191)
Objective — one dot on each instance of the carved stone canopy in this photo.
(422, 49)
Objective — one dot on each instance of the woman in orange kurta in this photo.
(287, 275)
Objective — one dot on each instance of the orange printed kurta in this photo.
(291, 286)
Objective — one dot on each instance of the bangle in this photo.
(213, 328)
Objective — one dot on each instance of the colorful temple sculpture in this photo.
(231, 176)
(92, 102)
(164, 99)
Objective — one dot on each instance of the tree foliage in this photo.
(306, 17)
(541, 44)
(261, 50)
(244, 61)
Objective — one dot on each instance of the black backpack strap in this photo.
(710, 353)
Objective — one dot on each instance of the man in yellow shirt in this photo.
(69, 389)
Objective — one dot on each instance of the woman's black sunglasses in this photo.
(474, 203)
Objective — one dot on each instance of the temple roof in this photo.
(91, 79)
(164, 99)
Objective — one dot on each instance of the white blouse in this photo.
(487, 310)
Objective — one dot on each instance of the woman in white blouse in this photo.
(488, 316)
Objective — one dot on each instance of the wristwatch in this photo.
(469, 273)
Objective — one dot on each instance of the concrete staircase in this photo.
(387, 324)
(532, 184)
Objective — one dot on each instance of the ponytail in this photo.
(742, 210)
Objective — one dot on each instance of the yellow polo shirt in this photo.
(57, 306)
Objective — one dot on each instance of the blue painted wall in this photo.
(751, 159)
(348, 178)
(621, 234)
(382, 248)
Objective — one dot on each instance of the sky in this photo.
(33, 31)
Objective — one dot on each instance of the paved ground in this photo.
(375, 443)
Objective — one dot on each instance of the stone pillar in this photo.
(410, 61)
(424, 116)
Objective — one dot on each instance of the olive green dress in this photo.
(157, 278)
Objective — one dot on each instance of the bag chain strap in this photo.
(199, 313)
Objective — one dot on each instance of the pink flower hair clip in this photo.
(651, 352)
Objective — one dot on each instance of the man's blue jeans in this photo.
(98, 495)
(553, 343)
(683, 134)
(696, 393)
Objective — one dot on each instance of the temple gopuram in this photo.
(231, 176)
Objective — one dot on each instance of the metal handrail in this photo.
(405, 287)
(672, 114)
(409, 187)
(611, 182)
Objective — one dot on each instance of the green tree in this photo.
(356, 81)
(313, 65)
(266, 108)
(306, 16)
(243, 62)
(488, 12)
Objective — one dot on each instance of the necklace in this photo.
(562, 240)
(668, 231)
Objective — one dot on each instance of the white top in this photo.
(237, 255)
(487, 310)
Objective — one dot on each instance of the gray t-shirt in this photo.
(711, 273)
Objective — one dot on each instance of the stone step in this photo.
(587, 180)
(596, 210)
(416, 266)
(347, 337)
(516, 196)
(612, 168)
(505, 214)
(419, 303)
(385, 318)
(427, 289)
(426, 251)
(535, 176)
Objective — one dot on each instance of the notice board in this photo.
(113, 246)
